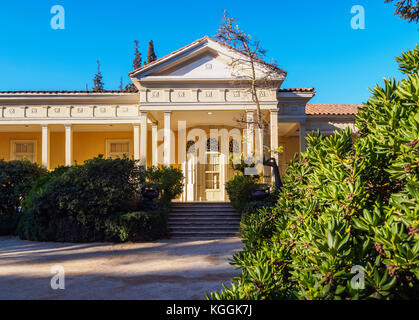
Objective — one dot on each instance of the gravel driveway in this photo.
(166, 269)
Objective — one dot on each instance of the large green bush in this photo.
(239, 189)
(349, 201)
(98, 201)
(16, 179)
(81, 203)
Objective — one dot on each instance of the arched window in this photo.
(234, 146)
(212, 145)
(190, 147)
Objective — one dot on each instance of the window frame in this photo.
(13, 143)
(110, 141)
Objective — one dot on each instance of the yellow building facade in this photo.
(188, 112)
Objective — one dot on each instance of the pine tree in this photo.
(97, 80)
(151, 55)
(137, 57)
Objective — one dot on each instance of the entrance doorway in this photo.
(204, 181)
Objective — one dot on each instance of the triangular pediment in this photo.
(207, 65)
(204, 59)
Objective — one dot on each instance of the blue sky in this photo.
(312, 40)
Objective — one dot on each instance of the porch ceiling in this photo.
(286, 129)
(227, 118)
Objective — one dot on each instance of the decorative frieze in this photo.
(68, 111)
(182, 95)
(209, 95)
(104, 111)
(59, 111)
(14, 112)
(82, 111)
(127, 111)
(157, 95)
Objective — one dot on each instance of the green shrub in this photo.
(83, 202)
(239, 189)
(348, 202)
(89, 202)
(169, 180)
(16, 179)
(144, 226)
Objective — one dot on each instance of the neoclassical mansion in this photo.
(182, 98)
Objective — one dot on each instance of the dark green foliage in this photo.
(407, 9)
(76, 202)
(348, 201)
(144, 226)
(98, 85)
(239, 189)
(130, 87)
(90, 202)
(151, 55)
(169, 180)
(16, 180)
(136, 63)
(137, 57)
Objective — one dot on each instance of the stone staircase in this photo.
(203, 220)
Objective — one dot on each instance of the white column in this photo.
(68, 144)
(45, 145)
(167, 138)
(154, 145)
(274, 134)
(274, 139)
(143, 138)
(249, 133)
(136, 140)
(181, 158)
(224, 160)
(302, 137)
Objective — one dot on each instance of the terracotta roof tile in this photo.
(58, 91)
(297, 90)
(332, 109)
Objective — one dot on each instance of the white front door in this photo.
(213, 179)
(191, 172)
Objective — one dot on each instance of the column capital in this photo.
(273, 111)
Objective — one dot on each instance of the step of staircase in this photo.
(203, 220)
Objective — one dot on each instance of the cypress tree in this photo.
(97, 80)
(151, 55)
(137, 57)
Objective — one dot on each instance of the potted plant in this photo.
(261, 192)
(150, 191)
